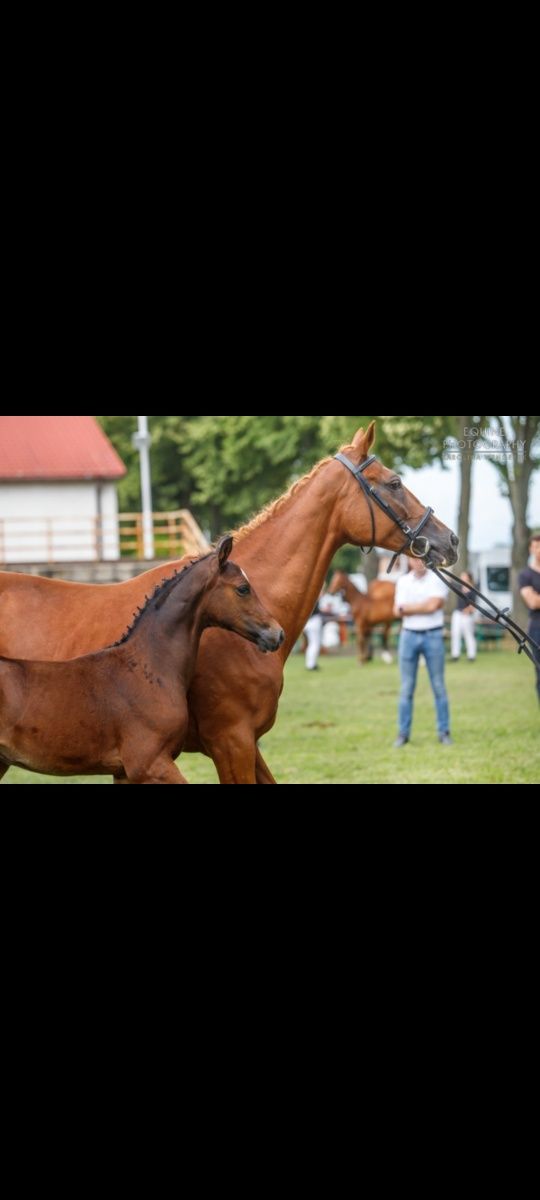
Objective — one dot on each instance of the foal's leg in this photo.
(163, 770)
(3, 770)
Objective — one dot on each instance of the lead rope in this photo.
(498, 616)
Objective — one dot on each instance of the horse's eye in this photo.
(243, 590)
(395, 484)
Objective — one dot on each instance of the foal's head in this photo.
(231, 602)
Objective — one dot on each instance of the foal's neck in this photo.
(168, 632)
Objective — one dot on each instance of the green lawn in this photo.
(338, 725)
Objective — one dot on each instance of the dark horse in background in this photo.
(377, 608)
(123, 711)
(287, 549)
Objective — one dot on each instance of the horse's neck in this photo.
(357, 600)
(351, 593)
(288, 555)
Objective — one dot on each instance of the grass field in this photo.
(338, 725)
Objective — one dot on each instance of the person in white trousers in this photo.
(463, 626)
(313, 632)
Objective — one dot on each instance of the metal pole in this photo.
(143, 441)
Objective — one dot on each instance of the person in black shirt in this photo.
(529, 582)
(463, 623)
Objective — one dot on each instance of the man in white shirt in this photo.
(420, 601)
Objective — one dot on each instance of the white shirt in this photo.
(413, 591)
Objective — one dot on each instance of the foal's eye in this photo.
(243, 590)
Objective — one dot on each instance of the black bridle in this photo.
(414, 544)
(413, 540)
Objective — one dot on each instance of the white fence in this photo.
(96, 539)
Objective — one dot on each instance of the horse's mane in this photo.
(270, 510)
(159, 596)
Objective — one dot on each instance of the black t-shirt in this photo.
(531, 578)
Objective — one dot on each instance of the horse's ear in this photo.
(365, 441)
(223, 550)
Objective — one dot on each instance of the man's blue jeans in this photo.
(411, 646)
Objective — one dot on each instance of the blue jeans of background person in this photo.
(411, 646)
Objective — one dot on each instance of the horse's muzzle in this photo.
(443, 552)
(450, 557)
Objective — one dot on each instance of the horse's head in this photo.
(232, 603)
(378, 510)
(338, 583)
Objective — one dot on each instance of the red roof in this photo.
(56, 448)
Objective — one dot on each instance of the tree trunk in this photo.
(464, 522)
(519, 496)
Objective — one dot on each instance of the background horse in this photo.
(288, 548)
(377, 608)
(124, 711)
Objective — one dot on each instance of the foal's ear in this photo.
(365, 441)
(223, 550)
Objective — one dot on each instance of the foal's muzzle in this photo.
(268, 641)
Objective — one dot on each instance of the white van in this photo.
(492, 572)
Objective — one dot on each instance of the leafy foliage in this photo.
(226, 468)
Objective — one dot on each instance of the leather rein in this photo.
(420, 547)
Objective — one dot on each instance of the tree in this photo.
(464, 426)
(516, 456)
(225, 468)
(401, 441)
(172, 482)
(239, 463)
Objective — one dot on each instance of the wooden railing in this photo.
(175, 534)
(87, 539)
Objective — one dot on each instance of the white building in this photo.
(58, 498)
(492, 573)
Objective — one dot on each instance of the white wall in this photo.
(55, 522)
(109, 513)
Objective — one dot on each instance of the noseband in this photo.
(418, 546)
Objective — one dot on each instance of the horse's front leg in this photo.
(363, 644)
(386, 655)
(3, 770)
(263, 774)
(235, 756)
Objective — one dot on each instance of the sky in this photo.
(491, 513)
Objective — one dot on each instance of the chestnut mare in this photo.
(288, 549)
(377, 608)
(123, 711)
